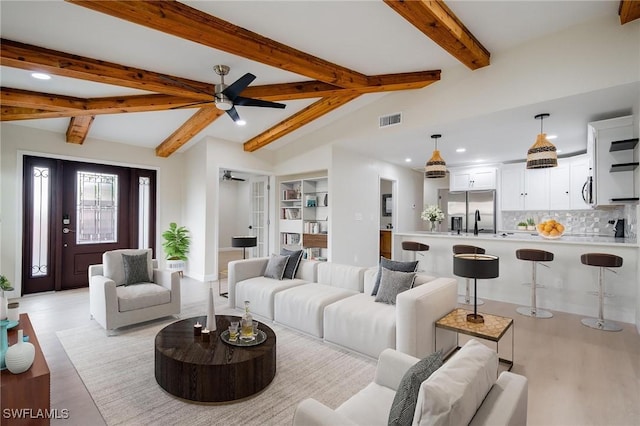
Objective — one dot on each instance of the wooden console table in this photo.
(29, 391)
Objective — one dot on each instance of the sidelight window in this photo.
(40, 221)
(144, 211)
(97, 208)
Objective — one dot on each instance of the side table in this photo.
(493, 328)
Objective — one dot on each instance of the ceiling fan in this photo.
(228, 176)
(226, 97)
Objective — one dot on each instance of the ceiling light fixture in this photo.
(41, 76)
(241, 122)
(461, 150)
(435, 167)
(542, 154)
(408, 160)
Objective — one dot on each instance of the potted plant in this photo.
(176, 246)
(522, 226)
(5, 285)
(531, 225)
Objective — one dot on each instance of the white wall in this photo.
(355, 206)
(17, 140)
(235, 211)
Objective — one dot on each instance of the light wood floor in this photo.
(577, 376)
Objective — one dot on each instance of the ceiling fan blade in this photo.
(239, 100)
(233, 114)
(235, 88)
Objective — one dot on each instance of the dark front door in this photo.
(76, 212)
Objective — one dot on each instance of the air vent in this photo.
(390, 120)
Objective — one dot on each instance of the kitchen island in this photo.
(568, 283)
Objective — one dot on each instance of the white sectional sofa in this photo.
(462, 391)
(332, 301)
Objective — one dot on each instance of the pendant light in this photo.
(435, 167)
(542, 154)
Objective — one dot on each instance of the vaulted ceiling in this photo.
(321, 86)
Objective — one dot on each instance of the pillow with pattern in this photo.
(392, 283)
(393, 265)
(275, 267)
(135, 269)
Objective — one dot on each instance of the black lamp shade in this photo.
(479, 266)
(244, 241)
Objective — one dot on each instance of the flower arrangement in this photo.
(432, 214)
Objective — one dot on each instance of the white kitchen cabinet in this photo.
(579, 173)
(560, 186)
(469, 179)
(523, 189)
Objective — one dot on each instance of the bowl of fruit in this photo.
(550, 229)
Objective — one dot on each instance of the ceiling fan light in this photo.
(435, 167)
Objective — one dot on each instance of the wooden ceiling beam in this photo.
(188, 130)
(440, 24)
(629, 10)
(79, 128)
(180, 20)
(45, 101)
(305, 116)
(9, 113)
(33, 58)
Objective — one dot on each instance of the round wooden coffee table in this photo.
(212, 371)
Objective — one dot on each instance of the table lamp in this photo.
(244, 242)
(476, 266)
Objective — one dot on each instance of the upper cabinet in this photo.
(613, 151)
(555, 188)
(469, 179)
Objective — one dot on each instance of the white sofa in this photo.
(113, 304)
(335, 304)
(463, 391)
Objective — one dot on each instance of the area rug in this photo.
(118, 372)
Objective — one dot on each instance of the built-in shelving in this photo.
(623, 167)
(623, 145)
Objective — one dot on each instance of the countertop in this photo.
(528, 236)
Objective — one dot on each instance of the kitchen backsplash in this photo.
(579, 222)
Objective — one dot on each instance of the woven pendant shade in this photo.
(542, 154)
(435, 167)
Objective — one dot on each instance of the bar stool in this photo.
(534, 256)
(415, 247)
(465, 249)
(602, 260)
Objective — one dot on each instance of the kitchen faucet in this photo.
(475, 224)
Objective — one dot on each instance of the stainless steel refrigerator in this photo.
(459, 208)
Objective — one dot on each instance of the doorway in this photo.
(74, 212)
(387, 210)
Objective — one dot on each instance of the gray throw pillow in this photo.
(293, 262)
(393, 265)
(275, 267)
(135, 269)
(404, 403)
(392, 283)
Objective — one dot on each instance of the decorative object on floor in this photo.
(542, 154)
(432, 214)
(435, 167)
(602, 261)
(244, 242)
(211, 311)
(5, 285)
(176, 246)
(476, 266)
(306, 367)
(20, 356)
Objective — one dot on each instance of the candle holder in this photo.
(197, 329)
(205, 335)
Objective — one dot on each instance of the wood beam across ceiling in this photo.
(188, 130)
(182, 21)
(307, 115)
(629, 10)
(441, 25)
(79, 129)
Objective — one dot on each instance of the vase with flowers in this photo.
(432, 214)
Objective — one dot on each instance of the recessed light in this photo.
(408, 160)
(461, 150)
(558, 151)
(552, 136)
(241, 122)
(41, 76)
(479, 160)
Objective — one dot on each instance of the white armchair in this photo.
(473, 392)
(114, 304)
